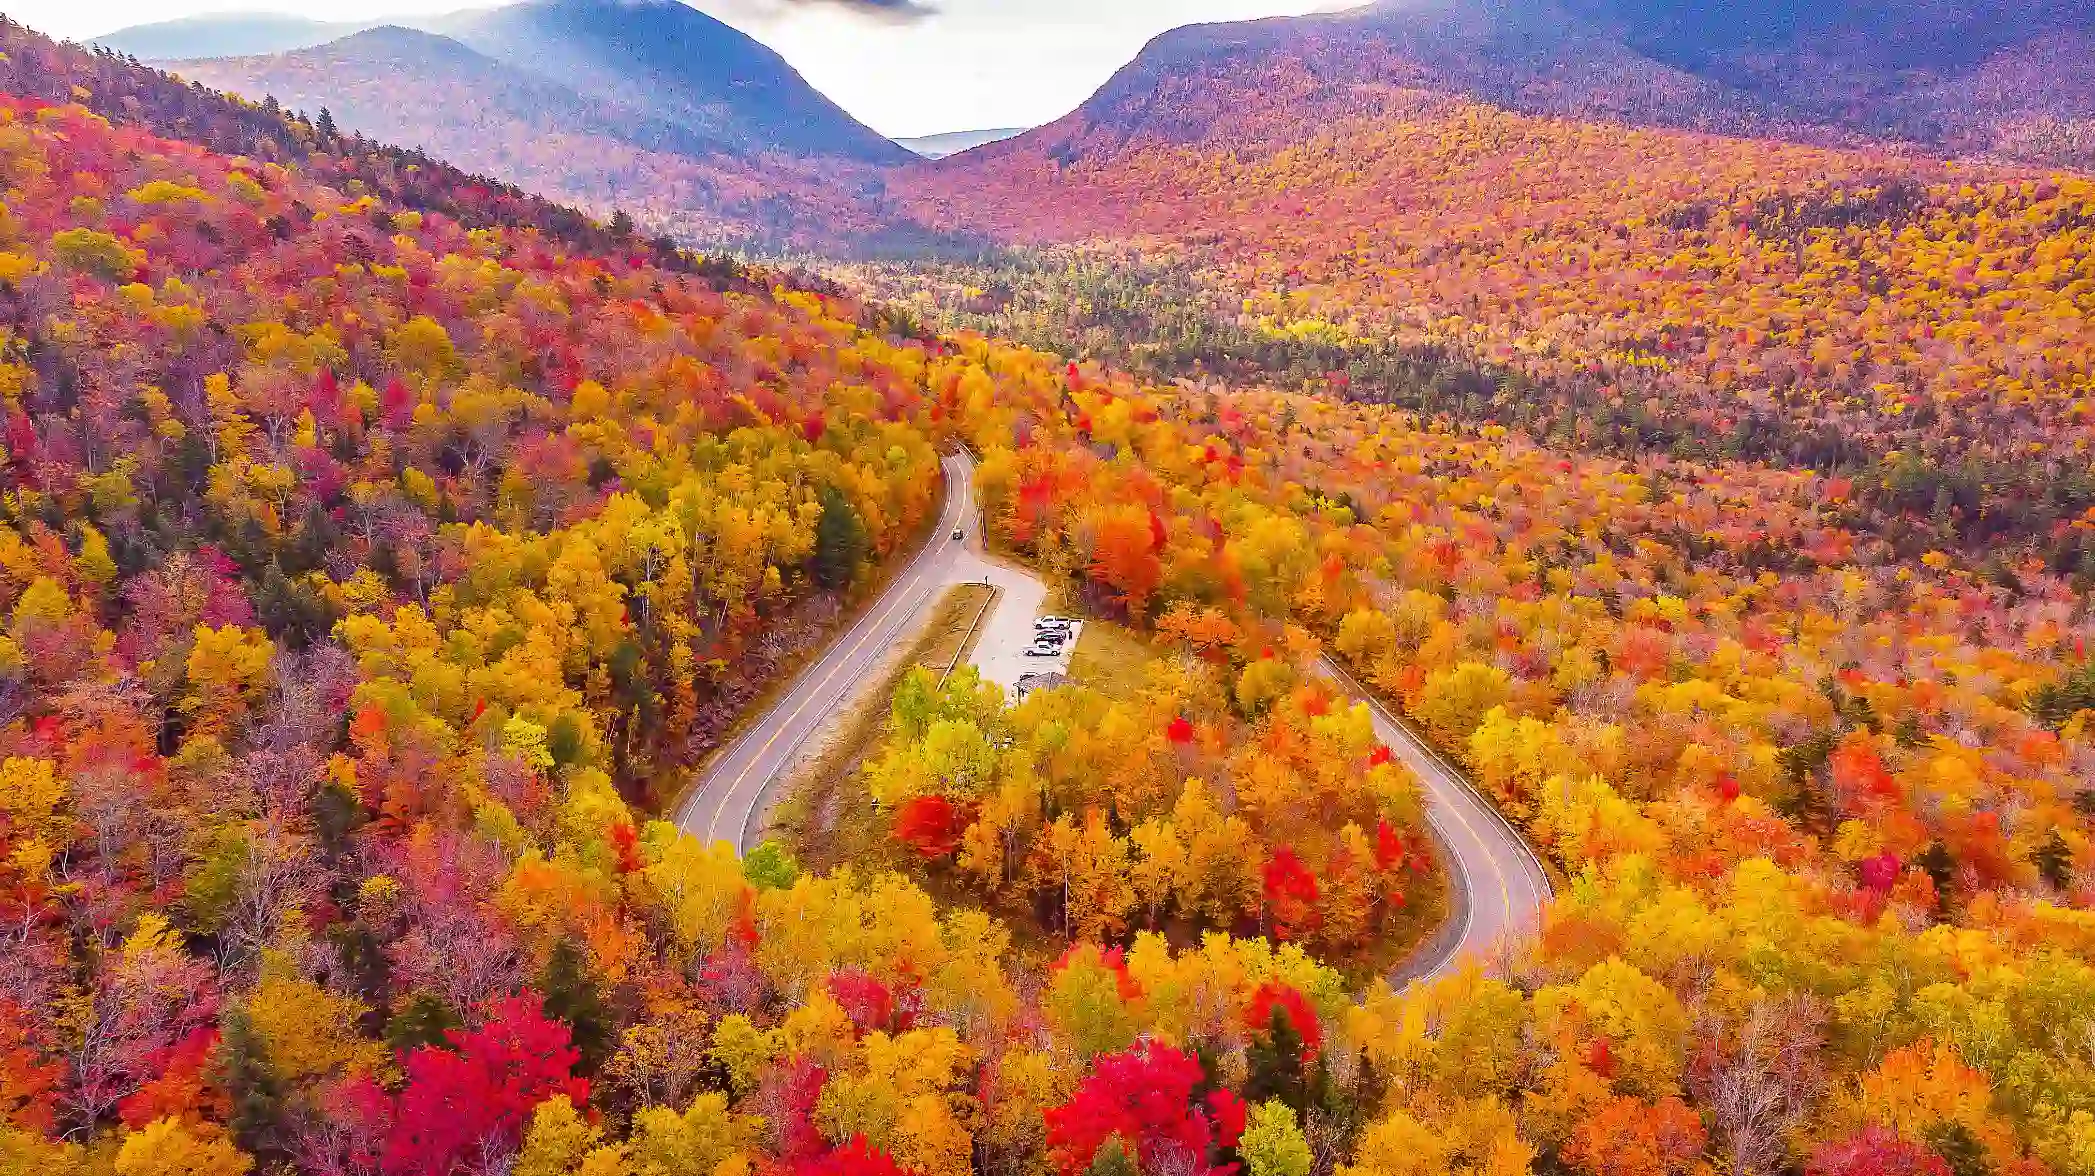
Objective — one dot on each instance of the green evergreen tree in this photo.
(250, 1081)
(840, 541)
(2054, 861)
(1275, 1061)
(1112, 1159)
(572, 996)
(336, 814)
(1961, 1150)
(1940, 867)
(424, 1021)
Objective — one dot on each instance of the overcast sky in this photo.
(969, 64)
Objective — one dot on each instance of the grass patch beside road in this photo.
(823, 813)
(1110, 659)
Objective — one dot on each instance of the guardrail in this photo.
(969, 637)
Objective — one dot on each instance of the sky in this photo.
(950, 65)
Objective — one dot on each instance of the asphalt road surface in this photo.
(1497, 887)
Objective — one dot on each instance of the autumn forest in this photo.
(389, 546)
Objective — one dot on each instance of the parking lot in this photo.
(1002, 650)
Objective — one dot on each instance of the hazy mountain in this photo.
(674, 63)
(228, 34)
(660, 59)
(954, 142)
(644, 105)
(408, 86)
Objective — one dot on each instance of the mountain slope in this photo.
(224, 34)
(1329, 198)
(1971, 75)
(703, 181)
(674, 63)
(1968, 77)
(466, 105)
(1194, 81)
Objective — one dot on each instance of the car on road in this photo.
(959, 534)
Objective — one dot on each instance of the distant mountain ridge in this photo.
(947, 143)
(1968, 76)
(643, 105)
(357, 78)
(658, 59)
(703, 173)
(226, 34)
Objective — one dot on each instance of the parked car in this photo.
(1043, 651)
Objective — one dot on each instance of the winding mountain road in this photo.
(737, 787)
(1496, 885)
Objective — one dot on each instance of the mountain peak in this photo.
(672, 62)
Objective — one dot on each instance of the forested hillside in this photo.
(1919, 327)
(673, 63)
(34, 67)
(365, 571)
(1966, 78)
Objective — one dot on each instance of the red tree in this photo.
(1146, 1096)
(931, 825)
(856, 1158)
(1273, 995)
(477, 1095)
(1291, 894)
(864, 999)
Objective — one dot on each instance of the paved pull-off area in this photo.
(1497, 887)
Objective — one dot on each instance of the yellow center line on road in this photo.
(1505, 892)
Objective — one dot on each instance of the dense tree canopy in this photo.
(370, 569)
